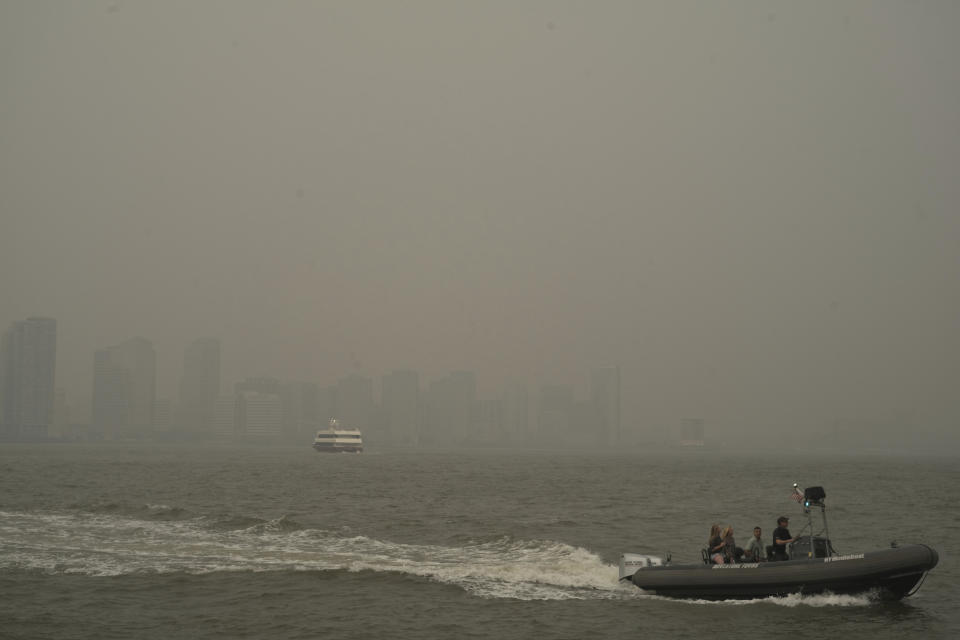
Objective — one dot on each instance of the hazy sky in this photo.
(750, 206)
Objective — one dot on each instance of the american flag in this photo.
(796, 495)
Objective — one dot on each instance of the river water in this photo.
(158, 541)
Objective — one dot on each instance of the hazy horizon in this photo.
(750, 207)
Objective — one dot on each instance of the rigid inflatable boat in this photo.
(813, 567)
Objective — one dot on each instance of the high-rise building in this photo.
(225, 416)
(200, 385)
(299, 402)
(355, 401)
(262, 384)
(260, 415)
(61, 416)
(124, 389)
(28, 355)
(400, 398)
(605, 384)
(555, 415)
(515, 413)
(162, 414)
(111, 398)
(452, 409)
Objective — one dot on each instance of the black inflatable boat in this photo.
(813, 568)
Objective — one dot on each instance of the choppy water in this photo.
(144, 541)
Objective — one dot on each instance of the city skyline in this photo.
(553, 413)
(749, 208)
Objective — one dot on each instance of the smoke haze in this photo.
(751, 207)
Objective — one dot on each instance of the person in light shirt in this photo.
(755, 552)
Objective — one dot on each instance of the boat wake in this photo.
(110, 544)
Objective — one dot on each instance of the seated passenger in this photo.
(715, 545)
(755, 552)
(730, 554)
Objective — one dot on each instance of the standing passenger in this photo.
(781, 538)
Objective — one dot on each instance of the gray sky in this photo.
(751, 206)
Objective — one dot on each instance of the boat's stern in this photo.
(630, 563)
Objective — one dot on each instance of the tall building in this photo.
(200, 385)
(260, 415)
(28, 355)
(124, 389)
(162, 417)
(262, 384)
(605, 385)
(225, 415)
(555, 415)
(400, 398)
(451, 411)
(515, 414)
(299, 402)
(355, 401)
(111, 398)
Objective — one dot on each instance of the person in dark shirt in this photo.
(781, 538)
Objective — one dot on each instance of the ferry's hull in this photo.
(894, 573)
(325, 448)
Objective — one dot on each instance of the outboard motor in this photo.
(630, 563)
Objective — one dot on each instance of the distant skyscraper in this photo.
(516, 410)
(162, 412)
(28, 355)
(555, 414)
(606, 401)
(299, 402)
(260, 415)
(263, 384)
(401, 406)
(355, 401)
(124, 389)
(225, 416)
(452, 409)
(111, 398)
(200, 385)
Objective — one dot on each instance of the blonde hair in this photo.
(714, 532)
(727, 532)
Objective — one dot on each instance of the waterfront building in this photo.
(28, 354)
(200, 385)
(124, 389)
(261, 415)
(400, 398)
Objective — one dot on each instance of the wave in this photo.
(147, 511)
(794, 600)
(252, 525)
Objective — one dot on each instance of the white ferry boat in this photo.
(337, 438)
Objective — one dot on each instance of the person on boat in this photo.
(781, 538)
(755, 552)
(731, 553)
(715, 545)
